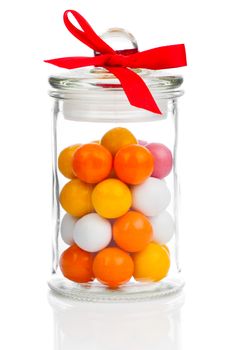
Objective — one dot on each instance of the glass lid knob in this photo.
(120, 40)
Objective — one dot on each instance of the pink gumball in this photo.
(142, 142)
(162, 159)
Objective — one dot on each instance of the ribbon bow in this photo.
(119, 62)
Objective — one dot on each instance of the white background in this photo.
(32, 31)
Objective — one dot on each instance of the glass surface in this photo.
(94, 94)
(69, 129)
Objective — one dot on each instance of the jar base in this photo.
(132, 292)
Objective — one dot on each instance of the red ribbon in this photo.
(138, 94)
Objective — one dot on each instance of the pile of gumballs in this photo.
(116, 222)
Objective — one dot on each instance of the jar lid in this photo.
(93, 91)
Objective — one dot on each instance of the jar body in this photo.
(92, 227)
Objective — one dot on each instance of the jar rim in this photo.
(95, 94)
(98, 80)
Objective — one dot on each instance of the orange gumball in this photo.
(92, 163)
(113, 267)
(65, 161)
(132, 231)
(133, 164)
(75, 198)
(117, 138)
(152, 263)
(76, 264)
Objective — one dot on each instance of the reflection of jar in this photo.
(114, 326)
(115, 187)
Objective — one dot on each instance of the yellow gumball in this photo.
(75, 198)
(117, 138)
(111, 198)
(65, 161)
(151, 264)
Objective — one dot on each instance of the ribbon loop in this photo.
(136, 90)
(88, 35)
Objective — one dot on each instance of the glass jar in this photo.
(115, 187)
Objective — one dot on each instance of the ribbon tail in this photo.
(165, 57)
(135, 89)
(77, 62)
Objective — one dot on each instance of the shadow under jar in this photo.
(115, 188)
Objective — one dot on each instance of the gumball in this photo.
(92, 233)
(151, 197)
(162, 159)
(111, 198)
(133, 164)
(151, 264)
(132, 231)
(92, 163)
(76, 265)
(117, 138)
(163, 227)
(113, 267)
(65, 161)
(75, 198)
(67, 228)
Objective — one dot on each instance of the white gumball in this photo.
(151, 197)
(163, 227)
(92, 233)
(67, 228)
